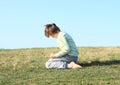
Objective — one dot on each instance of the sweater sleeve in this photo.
(63, 45)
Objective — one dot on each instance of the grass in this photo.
(101, 66)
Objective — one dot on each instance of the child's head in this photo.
(51, 29)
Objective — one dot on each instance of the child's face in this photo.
(54, 35)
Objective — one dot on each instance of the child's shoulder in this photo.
(62, 34)
(65, 34)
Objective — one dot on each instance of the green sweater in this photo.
(66, 45)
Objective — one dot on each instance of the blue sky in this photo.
(89, 22)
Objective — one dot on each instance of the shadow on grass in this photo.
(99, 63)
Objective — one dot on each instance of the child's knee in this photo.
(47, 64)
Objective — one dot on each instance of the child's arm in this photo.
(64, 46)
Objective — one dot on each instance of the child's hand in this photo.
(52, 55)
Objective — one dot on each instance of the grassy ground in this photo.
(101, 66)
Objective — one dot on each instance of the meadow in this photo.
(101, 66)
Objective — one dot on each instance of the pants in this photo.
(60, 62)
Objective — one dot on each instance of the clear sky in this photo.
(89, 22)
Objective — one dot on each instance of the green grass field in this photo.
(101, 66)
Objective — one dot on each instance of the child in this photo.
(68, 54)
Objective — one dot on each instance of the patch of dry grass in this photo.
(26, 67)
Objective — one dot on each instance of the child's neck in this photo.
(56, 34)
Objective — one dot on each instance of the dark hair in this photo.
(51, 29)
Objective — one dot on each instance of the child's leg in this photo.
(56, 63)
(73, 62)
(63, 62)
